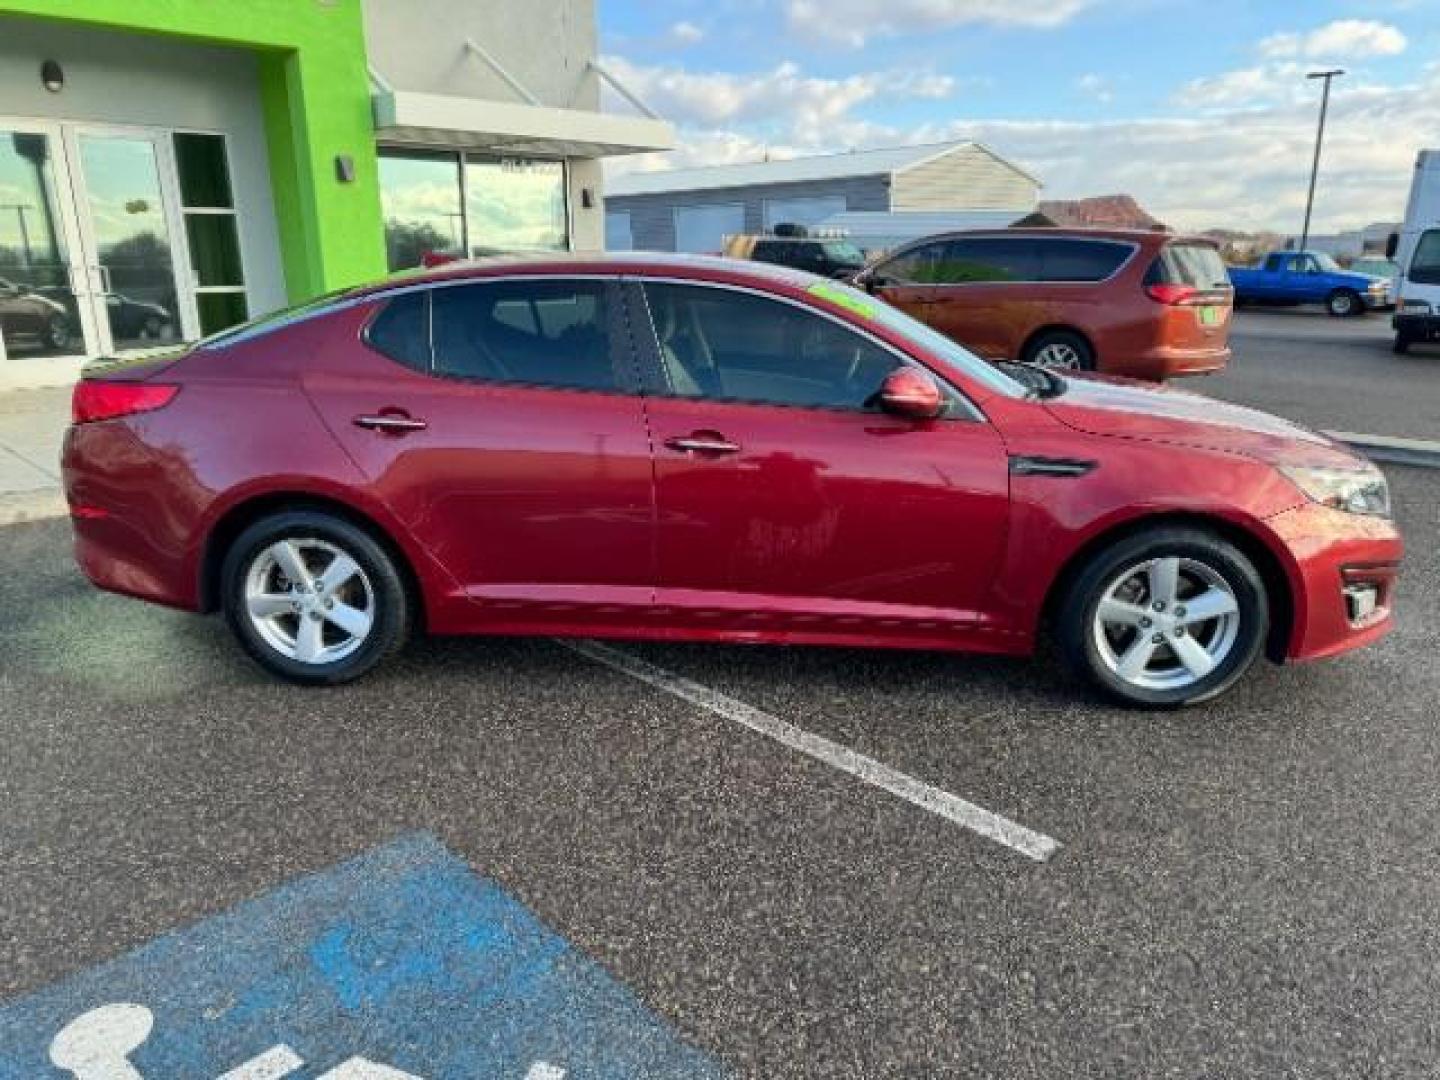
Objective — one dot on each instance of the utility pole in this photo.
(1319, 138)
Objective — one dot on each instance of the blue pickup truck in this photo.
(1309, 277)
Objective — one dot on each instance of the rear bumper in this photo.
(1337, 553)
(1165, 362)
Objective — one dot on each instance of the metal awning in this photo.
(411, 118)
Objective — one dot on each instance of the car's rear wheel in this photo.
(1061, 350)
(1342, 303)
(312, 598)
(1166, 617)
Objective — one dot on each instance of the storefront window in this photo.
(515, 205)
(420, 198)
(434, 207)
(211, 230)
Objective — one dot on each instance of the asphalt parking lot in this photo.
(1246, 889)
(1332, 374)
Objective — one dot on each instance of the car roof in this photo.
(559, 264)
(1144, 237)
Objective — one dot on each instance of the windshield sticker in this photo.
(839, 297)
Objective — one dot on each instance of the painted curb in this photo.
(21, 506)
(1422, 453)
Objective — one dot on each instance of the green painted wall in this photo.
(315, 94)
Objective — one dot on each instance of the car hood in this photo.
(1129, 409)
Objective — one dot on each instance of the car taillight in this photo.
(1170, 294)
(95, 399)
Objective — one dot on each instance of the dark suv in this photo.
(825, 256)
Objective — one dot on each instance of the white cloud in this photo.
(853, 22)
(1097, 86)
(1263, 84)
(1343, 39)
(783, 98)
(1243, 168)
(685, 33)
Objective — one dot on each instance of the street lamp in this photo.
(1319, 137)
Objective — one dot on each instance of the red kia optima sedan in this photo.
(685, 448)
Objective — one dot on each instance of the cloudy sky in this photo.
(1198, 108)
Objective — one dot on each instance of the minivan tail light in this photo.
(95, 399)
(1170, 294)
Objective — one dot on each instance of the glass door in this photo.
(132, 236)
(44, 309)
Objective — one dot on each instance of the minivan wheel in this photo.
(1167, 617)
(1061, 350)
(1342, 303)
(312, 598)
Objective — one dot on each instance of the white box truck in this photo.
(1416, 249)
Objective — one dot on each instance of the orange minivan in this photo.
(1150, 305)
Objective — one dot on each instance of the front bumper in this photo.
(1416, 327)
(1343, 577)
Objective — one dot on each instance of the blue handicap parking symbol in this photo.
(399, 964)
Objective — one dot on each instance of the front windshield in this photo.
(877, 311)
(843, 253)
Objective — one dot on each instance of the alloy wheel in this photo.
(1166, 623)
(309, 600)
(1059, 355)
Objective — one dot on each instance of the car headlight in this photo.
(1356, 491)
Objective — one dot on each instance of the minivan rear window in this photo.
(1196, 265)
(1081, 260)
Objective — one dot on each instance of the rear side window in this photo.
(402, 330)
(547, 333)
(1081, 260)
(1196, 265)
(1425, 266)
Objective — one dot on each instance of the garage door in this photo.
(704, 228)
(618, 236)
(808, 212)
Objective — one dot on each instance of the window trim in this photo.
(647, 351)
(1133, 245)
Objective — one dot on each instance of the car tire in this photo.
(1344, 303)
(1062, 350)
(1120, 600)
(1401, 345)
(342, 618)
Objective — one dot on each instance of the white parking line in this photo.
(966, 814)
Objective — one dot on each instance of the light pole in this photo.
(1319, 137)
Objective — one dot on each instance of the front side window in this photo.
(988, 259)
(546, 333)
(914, 267)
(1425, 266)
(728, 345)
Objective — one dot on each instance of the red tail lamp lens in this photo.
(95, 399)
(1170, 294)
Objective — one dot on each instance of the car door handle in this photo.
(390, 423)
(703, 443)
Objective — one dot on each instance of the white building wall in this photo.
(967, 178)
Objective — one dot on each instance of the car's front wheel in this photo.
(1342, 303)
(313, 598)
(1169, 616)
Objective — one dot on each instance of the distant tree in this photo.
(407, 241)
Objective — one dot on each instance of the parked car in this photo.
(1145, 304)
(678, 448)
(28, 319)
(1288, 278)
(833, 257)
(130, 318)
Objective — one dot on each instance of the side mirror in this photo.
(911, 393)
(1392, 245)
